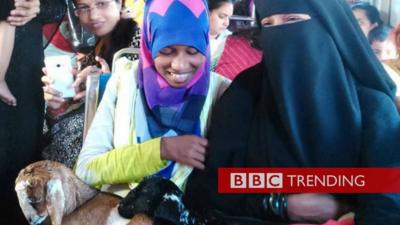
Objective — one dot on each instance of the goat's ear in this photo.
(55, 201)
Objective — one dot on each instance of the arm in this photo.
(6, 46)
(7, 36)
(101, 163)
(381, 132)
(120, 165)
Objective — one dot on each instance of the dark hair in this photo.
(371, 12)
(379, 33)
(245, 28)
(215, 4)
(121, 37)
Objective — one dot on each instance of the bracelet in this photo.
(265, 204)
(276, 205)
(283, 208)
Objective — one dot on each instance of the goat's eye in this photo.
(33, 200)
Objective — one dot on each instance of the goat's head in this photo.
(40, 192)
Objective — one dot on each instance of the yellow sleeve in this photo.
(126, 164)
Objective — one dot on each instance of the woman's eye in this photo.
(293, 19)
(166, 51)
(192, 51)
(221, 16)
(266, 24)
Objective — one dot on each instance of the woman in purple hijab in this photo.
(154, 112)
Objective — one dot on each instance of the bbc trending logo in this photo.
(256, 180)
(308, 180)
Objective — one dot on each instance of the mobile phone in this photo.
(59, 70)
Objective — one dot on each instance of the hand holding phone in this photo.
(59, 70)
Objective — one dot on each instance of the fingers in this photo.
(202, 141)
(77, 83)
(53, 94)
(104, 66)
(18, 21)
(195, 152)
(189, 150)
(46, 80)
(197, 157)
(197, 160)
(24, 12)
(82, 75)
(28, 4)
(53, 101)
(199, 149)
(8, 101)
(80, 80)
(79, 95)
(197, 165)
(315, 208)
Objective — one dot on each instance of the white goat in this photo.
(50, 189)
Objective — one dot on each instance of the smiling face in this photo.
(219, 19)
(178, 64)
(281, 19)
(99, 16)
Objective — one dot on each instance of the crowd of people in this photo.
(290, 90)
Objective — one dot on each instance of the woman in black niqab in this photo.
(320, 98)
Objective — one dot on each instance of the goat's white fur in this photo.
(56, 196)
(115, 219)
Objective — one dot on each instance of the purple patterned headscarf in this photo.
(166, 23)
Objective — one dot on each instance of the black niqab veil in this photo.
(309, 111)
(320, 98)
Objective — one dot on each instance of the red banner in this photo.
(309, 180)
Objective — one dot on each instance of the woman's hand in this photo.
(81, 77)
(189, 150)
(104, 66)
(80, 81)
(25, 10)
(314, 208)
(53, 98)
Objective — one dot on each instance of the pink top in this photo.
(237, 56)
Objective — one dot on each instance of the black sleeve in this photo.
(51, 11)
(381, 135)
(5, 7)
(228, 138)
